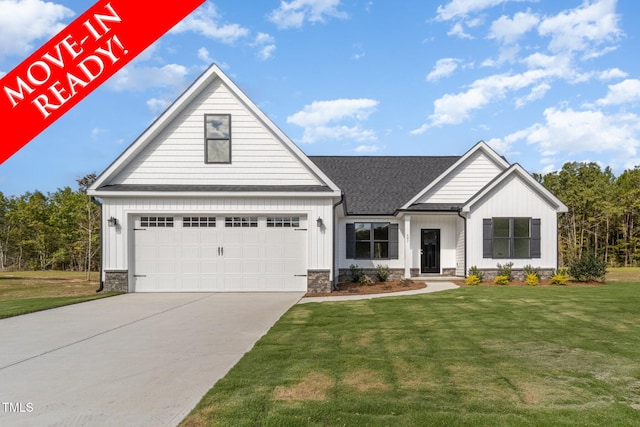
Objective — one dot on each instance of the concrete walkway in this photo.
(435, 286)
(129, 360)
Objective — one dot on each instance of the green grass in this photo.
(476, 356)
(27, 292)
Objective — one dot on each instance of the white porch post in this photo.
(408, 256)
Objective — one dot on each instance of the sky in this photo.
(543, 82)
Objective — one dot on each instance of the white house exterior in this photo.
(214, 197)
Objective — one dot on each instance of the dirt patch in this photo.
(350, 288)
(313, 387)
(365, 381)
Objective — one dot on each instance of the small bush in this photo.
(505, 270)
(472, 280)
(365, 280)
(562, 271)
(532, 279)
(475, 271)
(588, 268)
(558, 279)
(382, 272)
(356, 273)
(529, 269)
(501, 280)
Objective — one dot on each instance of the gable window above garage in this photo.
(217, 138)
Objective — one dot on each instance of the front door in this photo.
(430, 248)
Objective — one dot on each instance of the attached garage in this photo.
(213, 253)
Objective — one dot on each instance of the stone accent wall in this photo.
(318, 281)
(344, 274)
(415, 272)
(448, 271)
(116, 281)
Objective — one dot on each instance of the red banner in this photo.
(76, 61)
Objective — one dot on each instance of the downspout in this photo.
(464, 218)
(334, 285)
(101, 288)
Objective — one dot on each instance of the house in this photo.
(213, 196)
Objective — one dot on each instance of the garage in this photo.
(214, 253)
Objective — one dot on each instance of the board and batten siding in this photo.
(117, 240)
(464, 181)
(176, 155)
(514, 199)
(449, 234)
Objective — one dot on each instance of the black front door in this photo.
(430, 262)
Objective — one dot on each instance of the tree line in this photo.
(53, 231)
(62, 230)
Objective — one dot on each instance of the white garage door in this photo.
(213, 253)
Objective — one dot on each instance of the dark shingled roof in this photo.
(380, 185)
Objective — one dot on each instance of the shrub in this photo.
(365, 280)
(558, 279)
(356, 273)
(472, 280)
(505, 270)
(501, 280)
(475, 271)
(532, 279)
(382, 272)
(588, 267)
(529, 269)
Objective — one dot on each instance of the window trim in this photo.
(372, 240)
(489, 239)
(207, 139)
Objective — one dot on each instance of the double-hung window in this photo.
(217, 134)
(372, 240)
(511, 238)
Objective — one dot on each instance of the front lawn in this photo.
(475, 356)
(27, 292)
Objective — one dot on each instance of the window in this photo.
(156, 221)
(241, 221)
(198, 221)
(372, 240)
(283, 221)
(217, 130)
(511, 238)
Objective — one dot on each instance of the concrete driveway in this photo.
(130, 360)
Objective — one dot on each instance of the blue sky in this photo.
(543, 82)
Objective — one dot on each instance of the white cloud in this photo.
(316, 117)
(23, 22)
(458, 31)
(138, 78)
(96, 132)
(293, 14)
(206, 21)
(443, 68)
(627, 91)
(612, 73)
(367, 149)
(537, 92)
(157, 105)
(508, 30)
(583, 28)
(203, 54)
(265, 44)
(462, 8)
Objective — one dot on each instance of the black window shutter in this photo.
(393, 241)
(535, 238)
(351, 241)
(487, 238)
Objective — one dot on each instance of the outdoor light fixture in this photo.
(319, 222)
(112, 222)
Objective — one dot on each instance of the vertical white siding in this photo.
(514, 198)
(341, 243)
(465, 181)
(447, 224)
(117, 240)
(460, 249)
(176, 156)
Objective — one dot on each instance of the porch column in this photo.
(408, 256)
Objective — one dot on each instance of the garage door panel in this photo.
(219, 258)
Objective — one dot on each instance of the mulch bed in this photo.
(542, 283)
(349, 288)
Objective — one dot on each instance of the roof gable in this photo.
(171, 151)
(463, 179)
(380, 185)
(515, 172)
